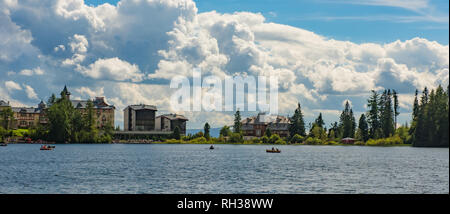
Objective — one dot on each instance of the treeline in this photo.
(376, 127)
(429, 126)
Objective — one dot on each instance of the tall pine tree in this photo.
(297, 124)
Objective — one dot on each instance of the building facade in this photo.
(139, 118)
(256, 126)
(168, 122)
(104, 112)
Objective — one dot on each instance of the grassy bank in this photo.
(251, 142)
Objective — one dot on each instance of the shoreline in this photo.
(223, 143)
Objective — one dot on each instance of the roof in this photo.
(4, 103)
(142, 107)
(99, 103)
(173, 117)
(262, 118)
(28, 110)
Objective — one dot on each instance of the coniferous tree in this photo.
(363, 128)
(333, 132)
(431, 124)
(297, 124)
(225, 131)
(51, 99)
(60, 117)
(386, 114)
(237, 128)
(373, 115)
(396, 106)
(176, 133)
(268, 133)
(347, 122)
(6, 117)
(206, 129)
(319, 121)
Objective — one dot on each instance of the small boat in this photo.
(44, 147)
(211, 147)
(3, 144)
(51, 146)
(273, 150)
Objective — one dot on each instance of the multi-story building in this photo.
(28, 117)
(168, 122)
(4, 104)
(139, 118)
(104, 112)
(256, 126)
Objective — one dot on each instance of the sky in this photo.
(324, 52)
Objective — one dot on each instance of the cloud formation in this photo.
(128, 53)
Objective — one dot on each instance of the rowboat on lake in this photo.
(273, 150)
(45, 147)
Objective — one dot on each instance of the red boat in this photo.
(45, 147)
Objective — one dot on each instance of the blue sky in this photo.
(354, 20)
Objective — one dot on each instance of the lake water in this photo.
(156, 168)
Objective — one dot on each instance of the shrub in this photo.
(274, 138)
(172, 141)
(280, 141)
(385, 141)
(331, 143)
(256, 140)
(360, 143)
(199, 140)
(236, 138)
(297, 139)
(265, 139)
(313, 141)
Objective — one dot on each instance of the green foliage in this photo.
(359, 143)
(331, 143)
(206, 129)
(199, 140)
(363, 129)
(319, 121)
(386, 114)
(403, 133)
(257, 140)
(265, 139)
(274, 138)
(318, 132)
(373, 115)
(430, 124)
(347, 122)
(225, 131)
(237, 127)
(390, 141)
(236, 138)
(21, 133)
(280, 142)
(6, 118)
(268, 133)
(297, 123)
(313, 141)
(176, 133)
(67, 124)
(297, 139)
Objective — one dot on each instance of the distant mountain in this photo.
(214, 132)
